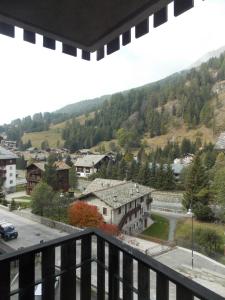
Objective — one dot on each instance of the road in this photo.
(30, 232)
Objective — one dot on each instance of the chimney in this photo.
(115, 198)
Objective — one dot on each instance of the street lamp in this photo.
(59, 206)
(190, 213)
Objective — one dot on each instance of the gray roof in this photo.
(89, 160)
(6, 154)
(178, 167)
(121, 194)
(100, 184)
(220, 143)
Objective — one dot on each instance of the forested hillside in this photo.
(187, 98)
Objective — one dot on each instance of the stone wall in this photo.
(47, 222)
(167, 201)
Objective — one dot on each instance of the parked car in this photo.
(8, 231)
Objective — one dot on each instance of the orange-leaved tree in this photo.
(83, 214)
(110, 229)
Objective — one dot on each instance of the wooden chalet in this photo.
(35, 173)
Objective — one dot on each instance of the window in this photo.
(135, 214)
(11, 182)
(104, 211)
(119, 210)
(142, 199)
(130, 218)
(130, 204)
(87, 170)
(11, 174)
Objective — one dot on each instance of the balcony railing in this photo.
(95, 260)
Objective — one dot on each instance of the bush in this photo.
(203, 212)
(208, 239)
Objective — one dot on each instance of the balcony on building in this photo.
(92, 265)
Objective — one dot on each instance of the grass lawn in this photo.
(159, 229)
(27, 198)
(183, 230)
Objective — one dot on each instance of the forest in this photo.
(152, 109)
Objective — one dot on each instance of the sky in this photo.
(34, 79)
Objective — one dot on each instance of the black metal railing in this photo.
(100, 262)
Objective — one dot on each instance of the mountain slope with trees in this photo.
(185, 99)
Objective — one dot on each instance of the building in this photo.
(35, 173)
(220, 143)
(11, 145)
(8, 169)
(89, 164)
(101, 27)
(123, 203)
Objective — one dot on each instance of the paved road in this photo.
(30, 232)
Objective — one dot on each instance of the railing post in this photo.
(143, 282)
(100, 269)
(127, 277)
(26, 276)
(48, 272)
(85, 282)
(68, 266)
(113, 273)
(162, 287)
(4, 280)
(183, 293)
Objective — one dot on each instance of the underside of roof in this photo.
(90, 25)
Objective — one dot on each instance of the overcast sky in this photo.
(34, 79)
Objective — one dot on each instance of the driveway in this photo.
(30, 232)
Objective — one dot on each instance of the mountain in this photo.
(82, 107)
(186, 104)
(207, 56)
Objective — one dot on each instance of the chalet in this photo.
(8, 169)
(89, 164)
(123, 203)
(35, 173)
(10, 145)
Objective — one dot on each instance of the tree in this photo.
(50, 175)
(69, 161)
(21, 163)
(83, 215)
(73, 178)
(169, 180)
(45, 145)
(196, 182)
(110, 229)
(42, 196)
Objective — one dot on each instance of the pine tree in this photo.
(197, 181)
(169, 180)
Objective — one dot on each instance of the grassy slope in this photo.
(183, 229)
(159, 229)
(53, 135)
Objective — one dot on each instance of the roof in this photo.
(86, 24)
(120, 194)
(220, 143)
(100, 184)
(89, 160)
(60, 165)
(6, 154)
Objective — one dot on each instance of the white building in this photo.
(8, 169)
(89, 164)
(123, 203)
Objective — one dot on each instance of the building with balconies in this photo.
(8, 169)
(123, 203)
